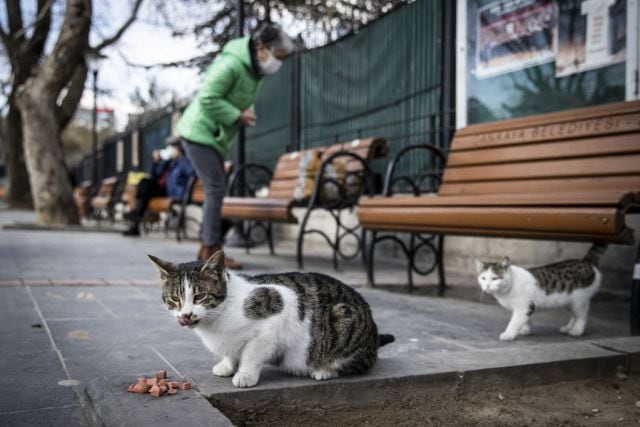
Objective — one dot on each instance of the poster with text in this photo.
(514, 34)
(591, 34)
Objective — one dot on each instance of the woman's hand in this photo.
(247, 118)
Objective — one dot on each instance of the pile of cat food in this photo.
(158, 386)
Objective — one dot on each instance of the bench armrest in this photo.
(255, 168)
(366, 182)
(390, 178)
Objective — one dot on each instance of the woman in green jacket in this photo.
(209, 124)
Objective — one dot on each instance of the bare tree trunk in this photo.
(49, 176)
(19, 191)
(37, 101)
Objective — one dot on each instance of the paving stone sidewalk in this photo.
(81, 315)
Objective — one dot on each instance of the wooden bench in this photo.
(356, 158)
(568, 176)
(82, 197)
(102, 203)
(277, 207)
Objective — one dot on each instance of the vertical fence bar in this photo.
(295, 102)
(241, 141)
(447, 97)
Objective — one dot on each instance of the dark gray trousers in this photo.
(209, 166)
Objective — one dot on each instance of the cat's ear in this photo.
(214, 263)
(505, 262)
(479, 265)
(164, 267)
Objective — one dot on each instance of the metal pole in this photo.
(447, 96)
(94, 126)
(240, 159)
(295, 102)
(241, 142)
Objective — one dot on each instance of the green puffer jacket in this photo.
(230, 86)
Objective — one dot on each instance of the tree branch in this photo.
(14, 16)
(57, 68)
(71, 99)
(111, 40)
(44, 13)
(4, 37)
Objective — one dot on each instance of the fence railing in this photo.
(390, 79)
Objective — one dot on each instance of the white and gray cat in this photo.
(307, 324)
(569, 284)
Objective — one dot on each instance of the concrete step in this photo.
(404, 381)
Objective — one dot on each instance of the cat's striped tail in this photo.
(595, 253)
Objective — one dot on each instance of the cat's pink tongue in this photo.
(185, 322)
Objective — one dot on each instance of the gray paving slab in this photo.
(113, 406)
(32, 381)
(66, 415)
(109, 326)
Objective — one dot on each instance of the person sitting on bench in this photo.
(169, 175)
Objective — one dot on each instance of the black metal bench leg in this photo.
(270, 238)
(247, 231)
(370, 254)
(363, 245)
(635, 296)
(166, 227)
(336, 242)
(411, 260)
(301, 233)
(440, 255)
(181, 228)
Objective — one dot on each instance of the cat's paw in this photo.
(565, 329)
(525, 330)
(507, 336)
(575, 332)
(223, 369)
(244, 380)
(322, 375)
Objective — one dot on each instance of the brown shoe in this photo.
(231, 263)
(207, 251)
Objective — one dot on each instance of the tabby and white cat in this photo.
(569, 284)
(304, 323)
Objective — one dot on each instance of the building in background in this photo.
(106, 118)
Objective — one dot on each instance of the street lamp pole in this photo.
(241, 143)
(241, 238)
(94, 127)
(93, 60)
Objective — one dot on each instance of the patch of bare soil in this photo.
(594, 402)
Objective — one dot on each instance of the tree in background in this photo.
(319, 22)
(45, 91)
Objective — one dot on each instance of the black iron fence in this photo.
(393, 79)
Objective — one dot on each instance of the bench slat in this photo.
(600, 166)
(569, 199)
(525, 186)
(604, 221)
(585, 122)
(267, 209)
(161, 204)
(619, 144)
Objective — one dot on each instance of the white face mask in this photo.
(271, 65)
(169, 153)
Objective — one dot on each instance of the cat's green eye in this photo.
(199, 297)
(174, 299)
